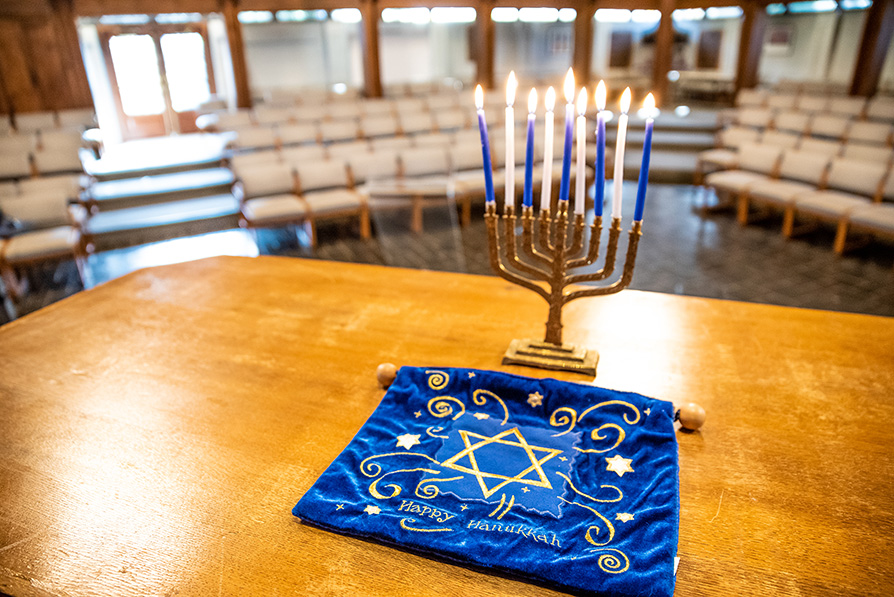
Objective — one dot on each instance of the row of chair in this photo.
(876, 108)
(32, 122)
(809, 186)
(817, 124)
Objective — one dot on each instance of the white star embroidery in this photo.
(407, 440)
(535, 399)
(624, 517)
(481, 416)
(619, 464)
(372, 509)
(471, 375)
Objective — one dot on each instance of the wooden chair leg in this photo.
(788, 221)
(311, 225)
(15, 287)
(841, 236)
(466, 213)
(364, 222)
(698, 177)
(743, 206)
(416, 222)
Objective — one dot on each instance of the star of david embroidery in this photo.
(511, 438)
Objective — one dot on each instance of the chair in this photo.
(780, 139)
(792, 122)
(416, 122)
(881, 108)
(6, 127)
(467, 169)
(758, 118)
(409, 105)
(851, 107)
(872, 220)
(472, 135)
(383, 125)
(243, 161)
(271, 115)
(390, 144)
(364, 168)
(751, 98)
(873, 133)
(451, 120)
(432, 140)
(813, 104)
(14, 165)
(77, 118)
(799, 172)
(343, 111)
(343, 151)
(327, 191)
(254, 138)
(267, 197)
(782, 101)
(443, 102)
(339, 130)
(32, 122)
(757, 162)
(725, 156)
(59, 140)
(70, 185)
(227, 121)
(302, 153)
(832, 127)
(377, 107)
(824, 147)
(868, 153)
(309, 113)
(57, 161)
(298, 134)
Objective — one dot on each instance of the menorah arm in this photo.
(626, 277)
(593, 251)
(545, 237)
(528, 240)
(577, 242)
(610, 257)
(512, 251)
(497, 264)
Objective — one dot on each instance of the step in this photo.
(677, 167)
(148, 190)
(668, 140)
(160, 155)
(152, 223)
(696, 121)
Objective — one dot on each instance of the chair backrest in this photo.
(868, 153)
(416, 122)
(442, 102)
(311, 113)
(318, 176)
(888, 187)
(409, 105)
(825, 125)
(472, 135)
(68, 184)
(260, 180)
(255, 137)
(782, 101)
(825, 147)
(881, 108)
(60, 140)
(424, 161)
(54, 161)
(466, 156)
(31, 122)
(38, 210)
(875, 133)
(757, 157)
(432, 140)
(847, 106)
(780, 139)
(8, 188)
(272, 114)
(373, 166)
(344, 111)
(377, 107)
(297, 134)
(14, 165)
(241, 161)
(345, 150)
(339, 130)
(856, 176)
(83, 118)
(383, 125)
(302, 153)
(759, 118)
(18, 144)
(792, 121)
(5, 126)
(804, 166)
(227, 121)
(390, 143)
(735, 136)
(451, 120)
(751, 98)
(813, 103)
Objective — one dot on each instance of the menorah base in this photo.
(558, 357)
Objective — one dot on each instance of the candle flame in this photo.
(600, 94)
(532, 101)
(479, 98)
(582, 101)
(511, 86)
(550, 100)
(649, 104)
(569, 86)
(625, 101)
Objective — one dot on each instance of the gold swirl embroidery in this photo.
(594, 435)
(439, 406)
(564, 420)
(394, 487)
(508, 507)
(478, 399)
(437, 380)
(430, 431)
(404, 521)
(430, 490)
(574, 418)
(373, 469)
(589, 497)
(609, 562)
(608, 525)
(500, 505)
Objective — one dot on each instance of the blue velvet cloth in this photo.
(567, 485)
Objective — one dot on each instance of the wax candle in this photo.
(618, 181)
(511, 86)
(649, 108)
(485, 147)
(565, 186)
(528, 200)
(546, 190)
(580, 187)
(600, 148)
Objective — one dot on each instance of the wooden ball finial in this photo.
(385, 373)
(692, 416)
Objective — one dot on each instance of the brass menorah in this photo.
(549, 258)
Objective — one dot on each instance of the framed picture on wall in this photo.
(559, 40)
(779, 40)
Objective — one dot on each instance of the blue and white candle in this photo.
(580, 188)
(649, 109)
(600, 148)
(618, 182)
(509, 196)
(546, 189)
(528, 200)
(485, 147)
(569, 134)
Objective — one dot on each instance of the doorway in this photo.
(159, 73)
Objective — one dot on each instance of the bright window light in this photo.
(504, 14)
(347, 15)
(179, 17)
(136, 69)
(646, 16)
(291, 16)
(567, 15)
(416, 16)
(124, 19)
(855, 4)
(340, 88)
(538, 15)
(775, 9)
(724, 12)
(453, 14)
(186, 69)
(317, 15)
(255, 16)
(813, 6)
(689, 14)
(613, 15)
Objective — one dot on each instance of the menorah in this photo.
(550, 259)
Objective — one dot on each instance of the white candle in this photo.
(548, 136)
(580, 187)
(511, 86)
(617, 194)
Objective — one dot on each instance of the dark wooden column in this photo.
(369, 38)
(583, 42)
(751, 43)
(75, 90)
(664, 50)
(484, 45)
(873, 47)
(230, 11)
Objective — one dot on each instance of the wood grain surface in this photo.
(157, 430)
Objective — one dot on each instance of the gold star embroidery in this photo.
(535, 399)
(417, 414)
(648, 411)
(340, 507)
(407, 440)
(372, 509)
(562, 458)
(525, 490)
(619, 464)
(481, 416)
(471, 375)
(464, 507)
(624, 517)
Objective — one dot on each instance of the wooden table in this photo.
(157, 430)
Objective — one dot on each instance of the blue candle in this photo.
(529, 151)
(565, 187)
(485, 147)
(600, 148)
(649, 106)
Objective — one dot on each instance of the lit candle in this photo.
(580, 187)
(600, 148)
(529, 151)
(546, 190)
(511, 86)
(649, 108)
(569, 133)
(485, 146)
(619, 155)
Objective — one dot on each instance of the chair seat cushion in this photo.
(321, 202)
(42, 243)
(779, 191)
(723, 158)
(470, 182)
(274, 207)
(875, 217)
(829, 203)
(734, 180)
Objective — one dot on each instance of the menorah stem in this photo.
(557, 283)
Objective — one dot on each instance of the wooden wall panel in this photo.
(21, 91)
